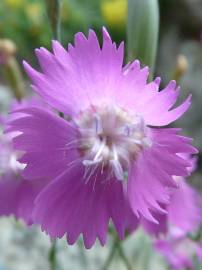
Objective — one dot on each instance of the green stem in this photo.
(111, 255)
(52, 256)
(53, 11)
(82, 254)
(123, 257)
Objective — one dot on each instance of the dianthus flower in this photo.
(16, 193)
(179, 251)
(184, 211)
(109, 157)
(184, 215)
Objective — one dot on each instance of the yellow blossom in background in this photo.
(33, 12)
(15, 4)
(114, 12)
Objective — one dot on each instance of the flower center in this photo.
(8, 158)
(111, 138)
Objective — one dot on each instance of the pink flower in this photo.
(184, 215)
(179, 250)
(112, 158)
(184, 210)
(16, 193)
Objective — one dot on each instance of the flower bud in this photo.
(7, 50)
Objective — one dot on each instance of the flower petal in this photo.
(185, 210)
(17, 196)
(151, 175)
(154, 229)
(80, 77)
(86, 207)
(49, 142)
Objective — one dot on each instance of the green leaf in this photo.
(142, 31)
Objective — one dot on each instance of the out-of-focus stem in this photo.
(111, 254)
(53, 9)
(123, 257)
(53, 12)
(14, 77)
(52, 256)
(116, 247)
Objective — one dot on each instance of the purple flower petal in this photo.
(17, 196)
(48, 140)
(84, 207)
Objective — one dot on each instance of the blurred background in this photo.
(179, 56)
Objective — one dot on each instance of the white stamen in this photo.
(118, 170)
(98, 124)
(139, 142)
(92, 171)
(99, 152)
(88, 162)
(112, 139)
